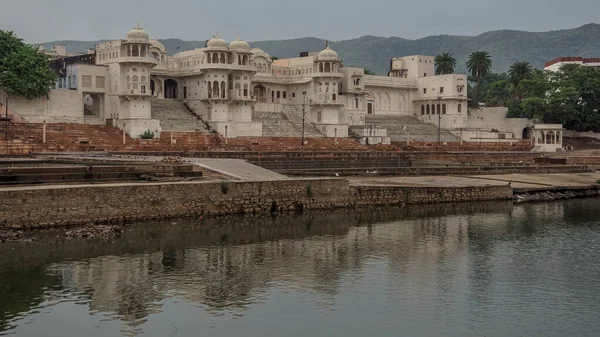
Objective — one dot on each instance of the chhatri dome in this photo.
(216, 42)
(138, 35)
(239, 45)
(328, 54)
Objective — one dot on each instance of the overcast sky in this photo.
(252, 20)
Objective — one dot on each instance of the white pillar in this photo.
(226, 131)
(123, 133)
(44, 133)
(171, 137)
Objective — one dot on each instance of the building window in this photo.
(441, 90)
(424, 90)
(143, 89)
(428, 111)
(100, 82)
(424, 74)
(293, 95)
(443, 109)
(460, 108)
(278, 94)
(319, 117)
(422, 109)
(334, 97)
(284, 94)
(86, 81)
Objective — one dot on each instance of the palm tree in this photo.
(520, 71)
(444, 64)
(479, 64)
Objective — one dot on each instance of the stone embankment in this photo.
(554, 193)
(62, 205)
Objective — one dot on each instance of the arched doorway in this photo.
(170, 88)
(260, 92)
(152, 87)
(527, 133)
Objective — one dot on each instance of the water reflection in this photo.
(470, 269)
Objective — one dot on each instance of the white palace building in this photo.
(241, 91)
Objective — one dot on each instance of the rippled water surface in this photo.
(455, 270)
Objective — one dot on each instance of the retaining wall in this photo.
(41, 206)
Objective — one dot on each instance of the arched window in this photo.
(216, 88)
(215, 58)
(208, 59)
(245, 89)
(459, 107)
(223, 58)
(135, 82)
(422, 109)
(327, 67)
(143, 79)
(320, 67)
(358, 81)
(239, 60)
(356, 103)
(209, 89)
(223, 87)
(135, 51)
(443, 109)
(439, 109)
(428, 109)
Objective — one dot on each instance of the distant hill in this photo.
(372, 52)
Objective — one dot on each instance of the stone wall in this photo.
(64, 205)
(394, 195)
(38, 206)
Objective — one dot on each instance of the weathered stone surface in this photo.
(102, 204)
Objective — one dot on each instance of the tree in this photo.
(479, 65)
(444, 64)
(369, 72)
(518, 72)
(24, 71)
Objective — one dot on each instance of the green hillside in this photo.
(505, 47)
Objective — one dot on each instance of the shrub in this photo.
(224, 187)
(147, 135)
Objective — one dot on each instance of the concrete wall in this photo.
(489, 118)
(62, 106)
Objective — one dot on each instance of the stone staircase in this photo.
(419, 131)
(287, 123)
(174, 116)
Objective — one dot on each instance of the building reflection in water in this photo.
(230, 264)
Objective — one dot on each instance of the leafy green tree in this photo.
(444, 64)
(479, 65)
(24, 71)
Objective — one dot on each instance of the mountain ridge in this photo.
(505, 46)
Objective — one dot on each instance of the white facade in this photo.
(225, 83)
(557, 63)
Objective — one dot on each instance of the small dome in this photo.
(239, 45)
(328, 54)
(260, 52)
(137, 35)
(158, 45)
(216, 42)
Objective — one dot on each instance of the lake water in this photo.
(489, 269)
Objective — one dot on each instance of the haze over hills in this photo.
(372, 52)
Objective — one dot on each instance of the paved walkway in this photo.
(517, 180)
(234, 168)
